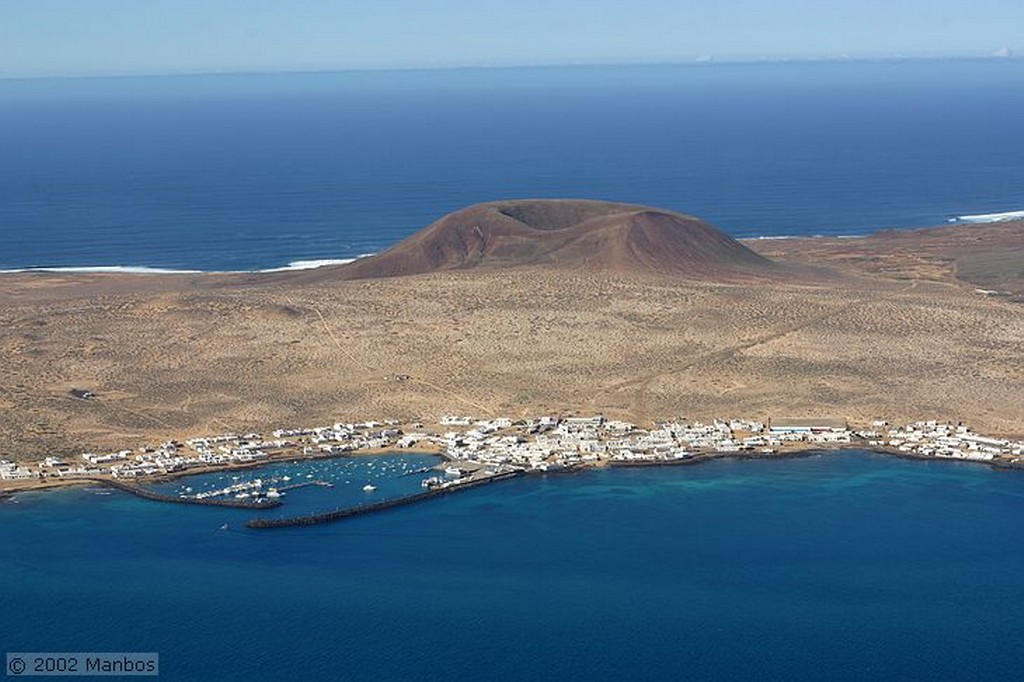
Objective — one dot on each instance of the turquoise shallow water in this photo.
(847, 566)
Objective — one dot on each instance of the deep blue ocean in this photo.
(238, 172)
(835, 567)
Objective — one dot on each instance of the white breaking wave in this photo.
(310, 264)
(145, 270)
(770, 237)
(988, 217)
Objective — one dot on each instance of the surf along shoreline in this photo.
(299, 264)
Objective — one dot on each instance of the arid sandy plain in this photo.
(892, 326)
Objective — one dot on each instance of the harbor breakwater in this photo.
(373, 507)
(139, 491)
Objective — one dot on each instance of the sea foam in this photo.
(310, 264)
(146, 270)
(988, 217)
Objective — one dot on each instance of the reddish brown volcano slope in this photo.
(566, 233)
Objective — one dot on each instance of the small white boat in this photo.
(273, 494)
(369, 488)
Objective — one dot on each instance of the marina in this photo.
(374, 507)
(144, 493)
(255, 489)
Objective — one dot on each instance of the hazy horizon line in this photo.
(702, 61)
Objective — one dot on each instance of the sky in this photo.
(99, 37)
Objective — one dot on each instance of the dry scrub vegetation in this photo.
(181, 356)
